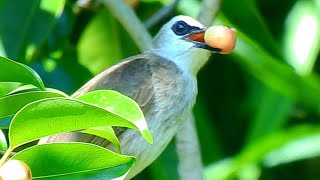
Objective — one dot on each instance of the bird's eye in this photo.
(181, 28)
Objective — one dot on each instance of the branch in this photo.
(190, 166)
(162, 14)
(129, 20)
(209, 10)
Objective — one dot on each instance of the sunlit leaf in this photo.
(105, 132)
(120, 105)
(276, 75)
(57, 115)
(298, 149)
(106, 50)
(33, 21)
(3, 141)
(11, 104)
(16, 72)
(71, 160)
(23, 88)
(302, 37)
(7, 87)
(256, 152)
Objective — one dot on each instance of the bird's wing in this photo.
(132, 77)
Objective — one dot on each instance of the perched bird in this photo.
(162, 80)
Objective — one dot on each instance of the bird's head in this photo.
(181, 40)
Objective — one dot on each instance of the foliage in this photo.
(257, 110)
(40, 113)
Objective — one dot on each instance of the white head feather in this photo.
(175, 48)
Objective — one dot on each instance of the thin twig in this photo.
(129, 20)
(209, 10)
(162, 14)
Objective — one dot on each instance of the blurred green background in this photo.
(258, 109)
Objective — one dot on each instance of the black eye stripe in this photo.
(181, 28)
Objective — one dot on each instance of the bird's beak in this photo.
(197, 37)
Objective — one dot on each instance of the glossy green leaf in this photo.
(12, 34)
(11, 71)
(105, 132)
(23, 88)
(3, 141)
(43, 21)
(11, 104)
(276, 75)
(302, 37)
(57, 115)
(120, 105)
(5, 122)
(33, 19)
(7, 87)
(70, 160)
(298, 149)
(258, 150)
(108, 43)
(118, 172)
(107, 49)
(248, 16)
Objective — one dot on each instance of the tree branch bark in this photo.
(209, 9)
(188, 150)
(162, 14)
(129, 20)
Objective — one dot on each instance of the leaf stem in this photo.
(5, 157)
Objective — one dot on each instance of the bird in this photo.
(162, 80)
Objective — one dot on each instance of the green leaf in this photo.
(275, 74)
(43, 21)
(298, 149)
(5, 122)
(105, 132)
(261, 148)
(120, 105)
(12, 71)
(107, 50)
(70, 160)
(7, 87)
(248, 16)
(23, 88)
(108, 47)
(57, 115)
(11, 104)
(302, 37)
(3, 141)
(33, 19)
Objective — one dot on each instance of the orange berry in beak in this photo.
(221, 37)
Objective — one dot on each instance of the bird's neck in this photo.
(190, 61)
